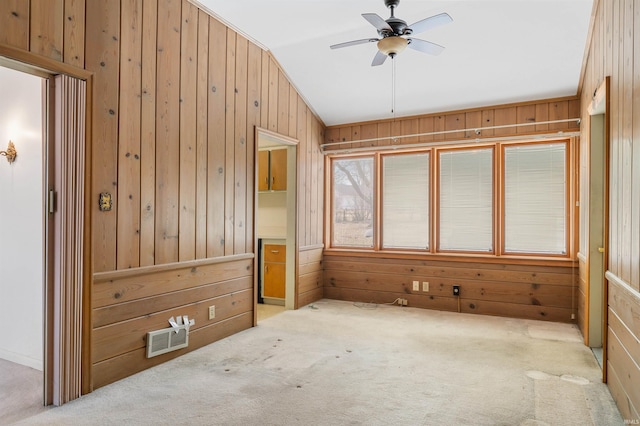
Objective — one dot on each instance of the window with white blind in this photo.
(352, 203)
(503, 198)
(535, 198)
(405, 201)
(466, 200)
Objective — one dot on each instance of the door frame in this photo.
(68, 266)
(600, 106)
(291, 285)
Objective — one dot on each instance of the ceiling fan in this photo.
(393, 34)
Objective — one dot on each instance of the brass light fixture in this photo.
(10, 153)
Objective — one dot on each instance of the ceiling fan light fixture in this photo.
(391, 46)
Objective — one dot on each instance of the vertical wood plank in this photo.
(410, 127)
(14, 20)
(355, 136)
(273, 96)
(626, 153)
(47, 30)
(283, 103)
(454, 122)
(369, 131)
(188, 132)
(74, 32)
(168, 131)
(229, 175)
(303, 183)
(635, 152)
(254, 109)
(473, 120)
(425, 125)
(488, 120)
(309, 177)
(202, 117)
(542, 114)
(319, 183)
(148, 133)
(216, 144)
(265, 90)
(503, 116)
(558, 111)
(525, 114)
(615, 117)
(293, 113)
(103, 33)
(128, 237)
(315, 155)
(240, 169)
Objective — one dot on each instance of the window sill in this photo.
(455, 257)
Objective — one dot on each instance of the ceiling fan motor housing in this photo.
(392, 3)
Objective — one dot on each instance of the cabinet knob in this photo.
(275, 251)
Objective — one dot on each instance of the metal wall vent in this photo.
(166, 340)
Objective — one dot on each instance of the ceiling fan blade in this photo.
(378, 59)
(430, 22)
(425, 46)
(377, 21)
(353, 43)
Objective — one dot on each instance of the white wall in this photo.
(21, 219)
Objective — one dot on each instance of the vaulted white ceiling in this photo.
(497, 52)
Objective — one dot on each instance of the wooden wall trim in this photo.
(461, 111)
(101, 277)
(452, 257)
(311, 247)
(44, 63)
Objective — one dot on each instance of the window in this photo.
(466, 200)
(503, 198)
(405, 201)
(535, 198)
(352, 203)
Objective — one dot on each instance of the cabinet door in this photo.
(263, 170)
(279, 169)
(274, 279)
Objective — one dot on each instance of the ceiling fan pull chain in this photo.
(393, 87)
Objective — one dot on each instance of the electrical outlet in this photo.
(425, 285)
(456, 290)
(404, 302)
(212, 312)
(416, 286)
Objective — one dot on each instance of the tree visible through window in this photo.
(353, 182)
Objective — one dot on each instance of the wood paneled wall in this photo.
(494, 287)
(451, 122)
(490, 288)
(310, 274)
(176, 98)
(614, 51)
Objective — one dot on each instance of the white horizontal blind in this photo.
(352, 204)
(466, 200)
(535, 198)
(405, 197)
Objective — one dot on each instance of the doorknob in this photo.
(601, 249)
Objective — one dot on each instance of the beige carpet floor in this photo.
(334, 363)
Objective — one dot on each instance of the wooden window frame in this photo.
(498, 195)
(569, 171)
(380, 192)
(375, 207)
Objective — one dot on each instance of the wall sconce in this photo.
(10, 153)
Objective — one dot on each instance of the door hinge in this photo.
(53, 199)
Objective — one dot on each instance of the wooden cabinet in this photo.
(274, 276)
(272, 170)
